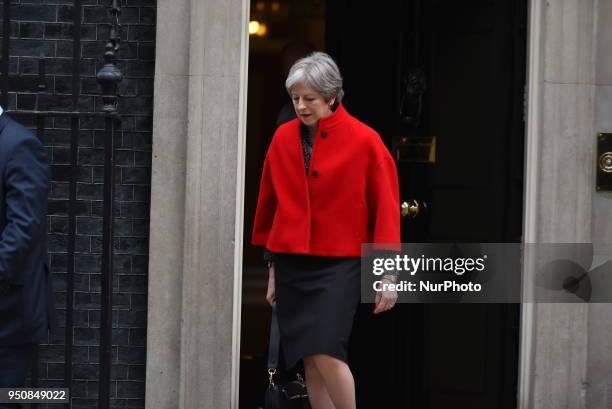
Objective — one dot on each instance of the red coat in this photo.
(350, 196)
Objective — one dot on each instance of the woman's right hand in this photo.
(270, 295)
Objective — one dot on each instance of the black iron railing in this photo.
(109, 77)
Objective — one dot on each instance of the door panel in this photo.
(473, 57)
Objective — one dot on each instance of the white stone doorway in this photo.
(197, 200)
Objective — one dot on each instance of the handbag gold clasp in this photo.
(271, 372)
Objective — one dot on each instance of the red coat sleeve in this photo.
(383, 202)
(266, 207)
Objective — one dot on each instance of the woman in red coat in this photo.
(328, 185)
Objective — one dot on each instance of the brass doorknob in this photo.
(410, 209)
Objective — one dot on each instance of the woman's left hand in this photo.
(385, 300)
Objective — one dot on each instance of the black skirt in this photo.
(316, 300)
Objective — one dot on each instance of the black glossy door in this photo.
(472, 55)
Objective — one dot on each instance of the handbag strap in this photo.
(274, 345)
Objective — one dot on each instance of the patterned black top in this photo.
(306, 145)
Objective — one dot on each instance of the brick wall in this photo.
(44, 27)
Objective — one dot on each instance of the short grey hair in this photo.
(319, 71)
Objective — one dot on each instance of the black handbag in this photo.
(291, 395)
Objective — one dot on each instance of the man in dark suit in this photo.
(26, 310)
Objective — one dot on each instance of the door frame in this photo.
(533, 134)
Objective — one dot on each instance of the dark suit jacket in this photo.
(26, 302)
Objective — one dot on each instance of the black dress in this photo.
(316, 298)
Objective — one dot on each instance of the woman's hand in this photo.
(270, 295)
(385, 300)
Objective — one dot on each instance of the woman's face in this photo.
(309, 105)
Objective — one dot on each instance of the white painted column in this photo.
(196, 204)
(167, 206)
(559, 190)
(599, 374)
